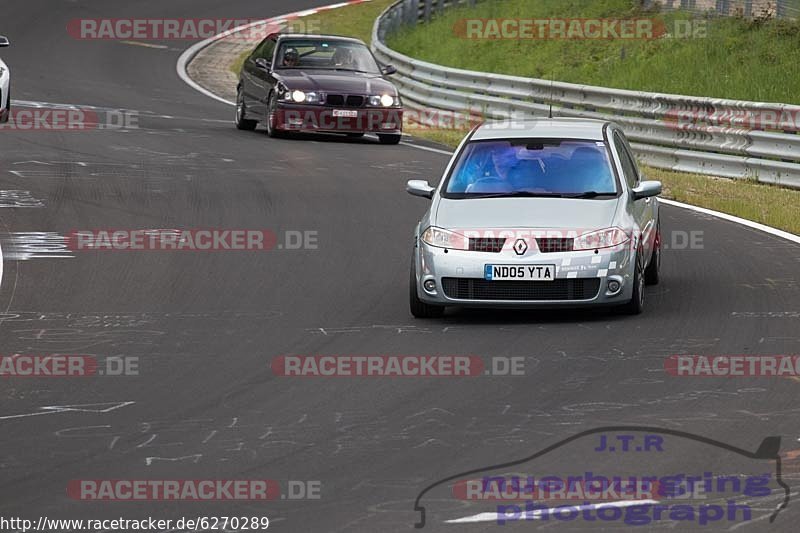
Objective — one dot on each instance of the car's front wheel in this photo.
(636, 305)
(419, 308)
(272, 117)
(243, 123)
(389, 138)
(652, 272)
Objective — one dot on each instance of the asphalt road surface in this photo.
(206, 326)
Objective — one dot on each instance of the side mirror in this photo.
(646, 189)
(263, 64)
(420, 188)
(388, 70)
(4, 42)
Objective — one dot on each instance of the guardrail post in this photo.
(402, 13)
(428, 10)
(413, 12)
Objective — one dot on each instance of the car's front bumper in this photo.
(581, 278)
(294, 117)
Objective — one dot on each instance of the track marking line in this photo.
(145, 45)
(539, 513)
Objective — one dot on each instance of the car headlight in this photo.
(442, 238)
(301, 97)
(385, 100)
(604, 238)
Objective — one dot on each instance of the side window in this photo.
(265, 50)
(628, 162)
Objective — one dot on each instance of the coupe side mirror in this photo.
(646, 189)
(420, 188)
(263, 64)
(4, 42)
(388, 70)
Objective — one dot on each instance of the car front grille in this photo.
(334, 99)
(554, 244)
(355, 101)
(487, 244)
(560, 289)
(344, 100)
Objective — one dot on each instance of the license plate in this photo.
(345, 113)
(519, 272)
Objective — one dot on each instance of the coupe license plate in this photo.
(345, 113)
(519, 272)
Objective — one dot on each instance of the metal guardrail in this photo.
(715, 136)
(726, 8)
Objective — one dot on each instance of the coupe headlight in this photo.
(604, 238)
(301, 97)
(386, 100)
(442, 238)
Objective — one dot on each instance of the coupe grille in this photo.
(335, 99)
(345, 100)
(560, 289)
(554, 244)
(487, 244)
(355, 101)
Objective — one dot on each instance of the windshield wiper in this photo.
(518, 194)
(352, 70)
(589, 194)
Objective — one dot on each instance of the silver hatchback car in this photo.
(544, 213)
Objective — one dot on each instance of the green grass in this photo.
(768, 204)
(353, 21)
(740, 59)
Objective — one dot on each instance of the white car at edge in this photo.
(5, 85)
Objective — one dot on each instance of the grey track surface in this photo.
(206, 326)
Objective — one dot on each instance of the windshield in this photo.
(532, 167)
(326, 54)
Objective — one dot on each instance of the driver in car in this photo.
(291, 58)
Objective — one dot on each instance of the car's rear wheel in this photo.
(636, 305)
(272, 117)
(243, 123)
(419, 308)
(389, 138)
(652, 272)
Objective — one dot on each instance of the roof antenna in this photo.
(550, 112)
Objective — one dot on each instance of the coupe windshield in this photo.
(533, 167)
(326, 54)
